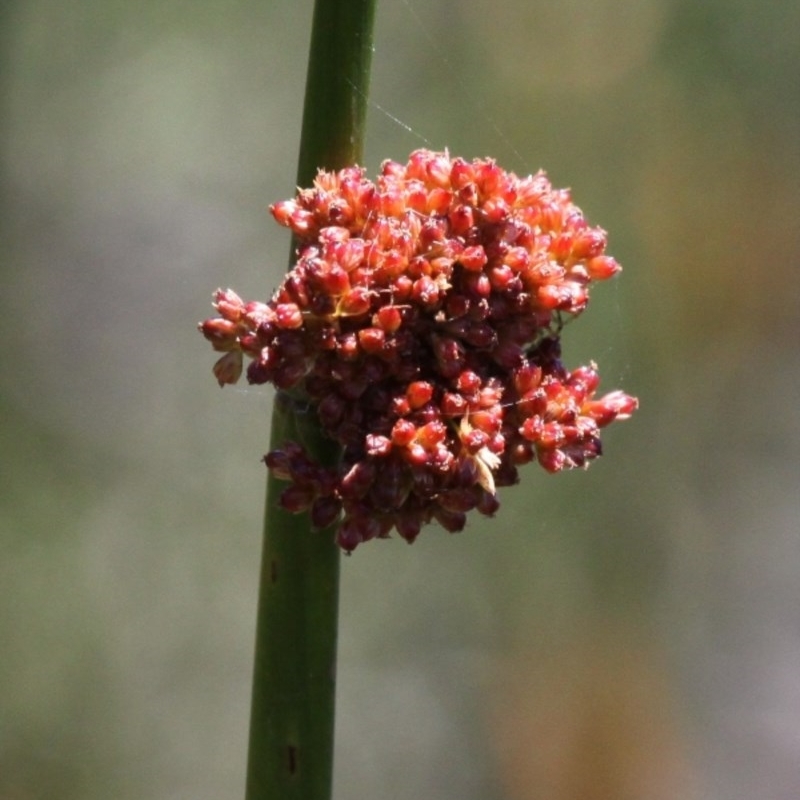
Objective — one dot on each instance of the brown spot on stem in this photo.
(292, 759)
(273, 571)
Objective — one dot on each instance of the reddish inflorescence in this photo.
(422, 320)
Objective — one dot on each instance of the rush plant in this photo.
(415, 344)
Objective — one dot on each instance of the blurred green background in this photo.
(631, 632)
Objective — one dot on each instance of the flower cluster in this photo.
(422, 320)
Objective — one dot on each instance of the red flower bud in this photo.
(355, 302)
(615, 405)
(453, 404)
(403, 432)
(462, 174)
(288, 316)
(588, 243)
(425, 291)
(473, 258)
(419, 393)
(602, 268)
(431, 434)
(468, 382)
(462, 219)
(372, 340)
(228, 304)
(222, 333)
(388, 318)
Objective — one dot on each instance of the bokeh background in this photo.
(630, 632)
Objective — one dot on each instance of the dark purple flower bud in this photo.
(324, 511)
(358, 480)
(451, 521)
(297, 498)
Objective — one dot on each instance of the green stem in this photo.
(292, 714)
(335, 110)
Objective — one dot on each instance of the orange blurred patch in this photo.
(591, 718)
